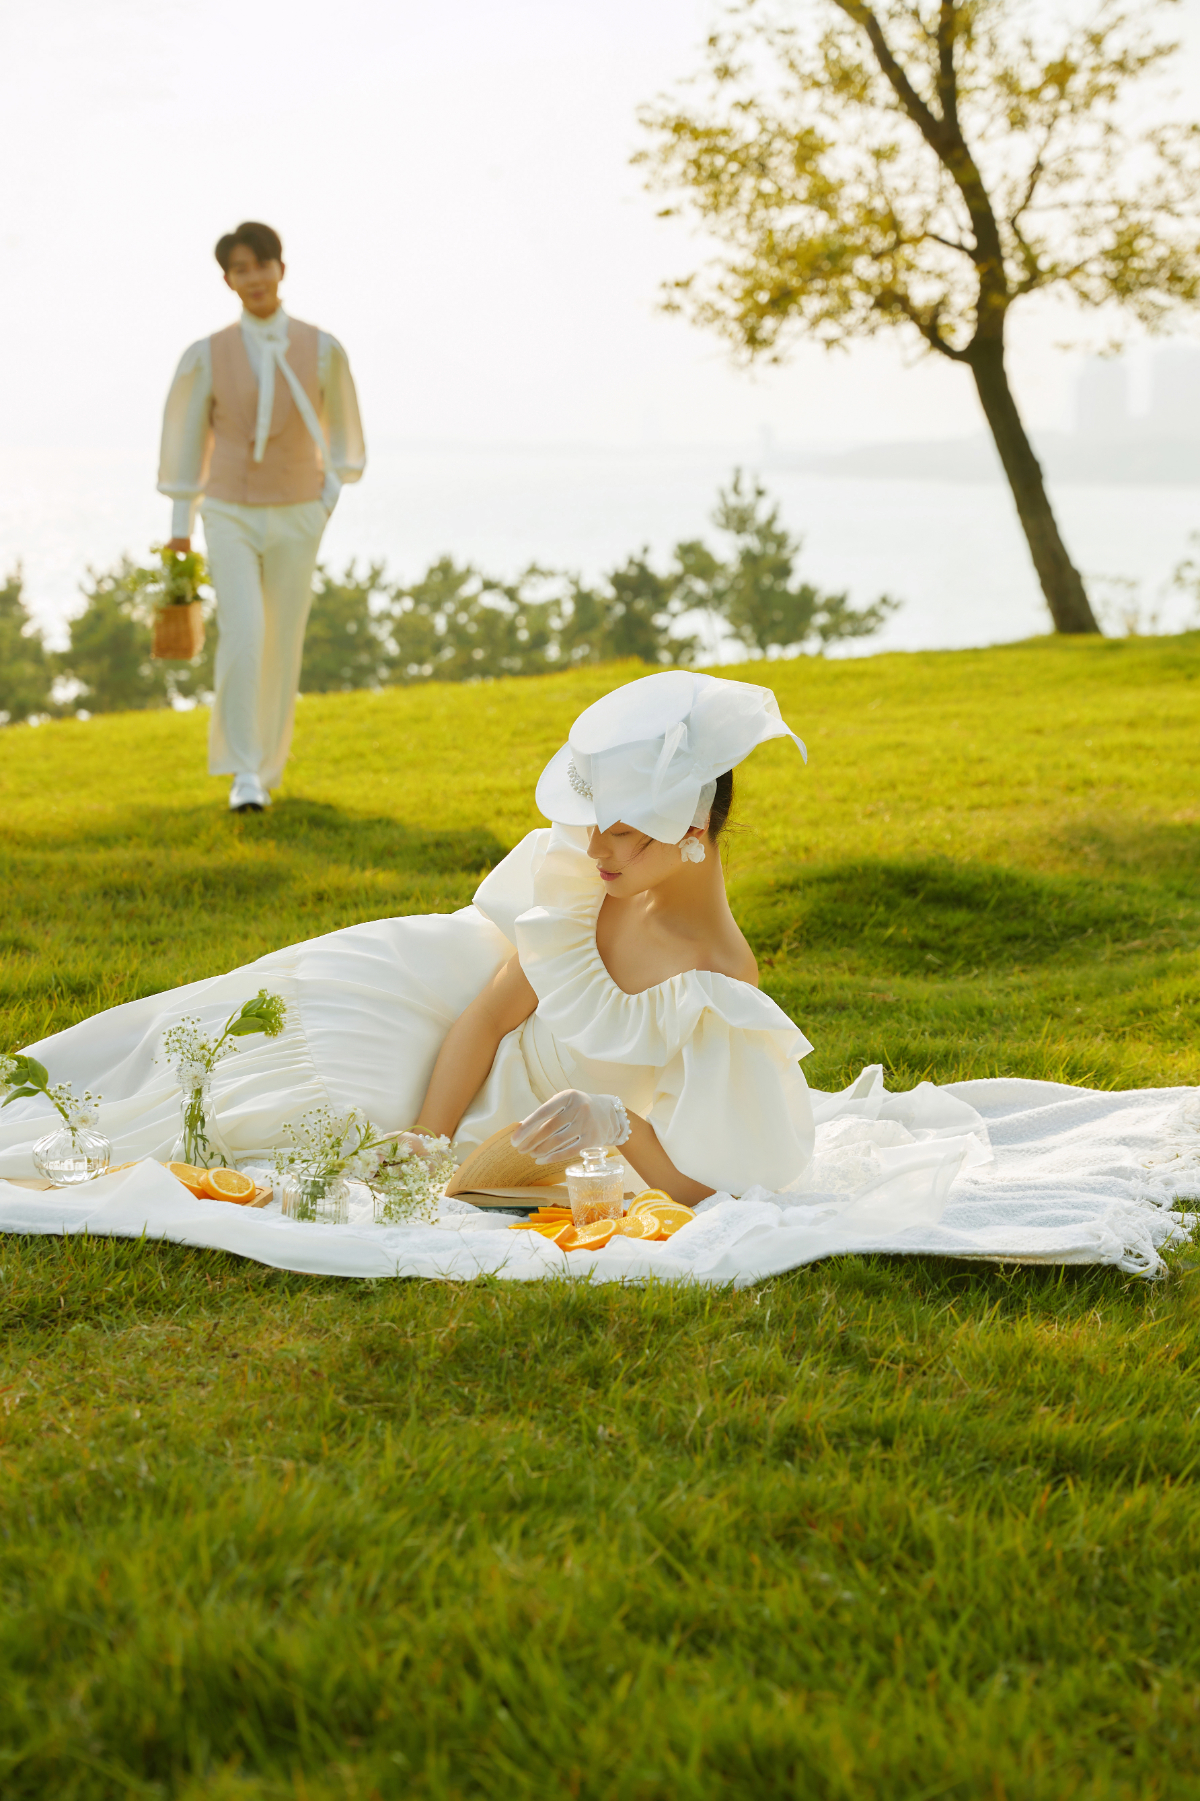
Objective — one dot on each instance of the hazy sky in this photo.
(453, 188)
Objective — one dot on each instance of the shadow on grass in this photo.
(315, 829)
(939, 917)
(1169, 851)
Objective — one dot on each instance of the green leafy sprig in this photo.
(24, 1078)
(194, 1056)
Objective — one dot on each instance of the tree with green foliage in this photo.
(456, 624)
(26, 667)
(347, 644)
(926, 165)
(108, 654)
(756, 593)
(633, 612)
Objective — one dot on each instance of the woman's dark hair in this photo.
(258, 238)
(722, 803)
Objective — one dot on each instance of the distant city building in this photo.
(1174, 393)
(1102, 409)
(1102, 399)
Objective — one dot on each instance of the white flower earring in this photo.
(691, 850)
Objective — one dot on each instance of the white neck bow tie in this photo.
(272, 336)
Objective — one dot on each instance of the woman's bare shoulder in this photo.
(732, 956)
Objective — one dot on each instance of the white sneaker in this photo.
(248, 795)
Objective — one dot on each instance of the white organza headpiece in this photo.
(650, 753)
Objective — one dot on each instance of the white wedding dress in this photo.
(711, 1062)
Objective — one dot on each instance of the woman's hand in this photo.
(421, 1144)
(570, 1121)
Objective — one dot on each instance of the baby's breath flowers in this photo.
(23, 1077)
(408, 1183)
(194, 1057)
(405, 1181)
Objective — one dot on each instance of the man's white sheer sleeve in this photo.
(339, 405)
(187, 437)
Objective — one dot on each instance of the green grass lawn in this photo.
(881, 1528)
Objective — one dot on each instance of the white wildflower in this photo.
(407, 1183)
(85, 1113)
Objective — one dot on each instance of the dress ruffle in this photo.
(580, 1001)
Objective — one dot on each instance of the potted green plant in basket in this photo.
(178, 609)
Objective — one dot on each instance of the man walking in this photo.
(261, 428)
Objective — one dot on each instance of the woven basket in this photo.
(178, 633)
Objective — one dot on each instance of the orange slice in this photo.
(636, 1225)
(556, 1232)
(650, 1197)
(549, 1228)
(670, 1216)
(586, 1238)
(228, 1185)
(191, 1177)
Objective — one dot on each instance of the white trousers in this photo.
(262, 561)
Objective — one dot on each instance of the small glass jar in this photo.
(596, 1186)
(71, 1154)
(322, 1200)
(199, 1142)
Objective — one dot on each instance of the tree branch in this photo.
(947, 75)
(922, 116)
(944, 137)
(894, 300)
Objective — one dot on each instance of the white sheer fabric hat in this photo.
(650, 753)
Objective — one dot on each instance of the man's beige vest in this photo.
(290, 470)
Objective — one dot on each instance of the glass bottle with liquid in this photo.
(596, 1186)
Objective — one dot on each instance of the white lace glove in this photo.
(571, 1121)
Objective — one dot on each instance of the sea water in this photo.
(952, 552)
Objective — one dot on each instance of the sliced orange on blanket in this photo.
(552, 1229)
(556, 1230)
(587, 1238)
(191, 1177)
(669, 1216)
(651, 1197)
(228, 1185)
(636, 1225)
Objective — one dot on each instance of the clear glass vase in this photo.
(71, 1154)
(596, 1187)
(324, 1200)
(199, 1142)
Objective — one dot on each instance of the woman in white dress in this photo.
(597, 990)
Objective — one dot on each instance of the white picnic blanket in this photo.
(1033, 1172)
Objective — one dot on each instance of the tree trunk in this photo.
(1061, 582)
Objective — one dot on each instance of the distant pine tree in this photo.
(346, 645)
(26, 667)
